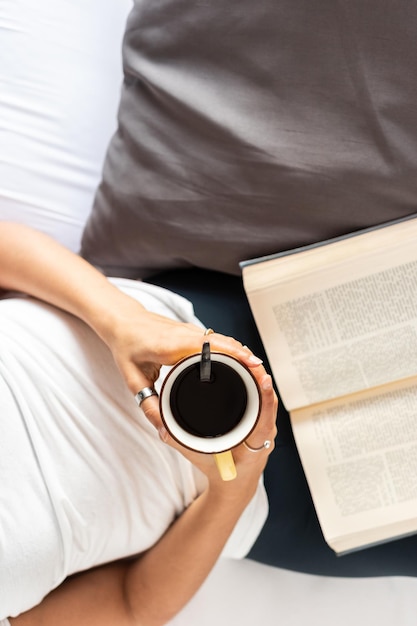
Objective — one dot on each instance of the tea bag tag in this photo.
(205, 363)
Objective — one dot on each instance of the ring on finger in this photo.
(208, 331)
(144, 393)
(266, 444)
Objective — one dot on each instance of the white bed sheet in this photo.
(245, 593)
(60, 78)
(59, 87)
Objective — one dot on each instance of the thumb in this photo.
(150, 407)
(141, 383)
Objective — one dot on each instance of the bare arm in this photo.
(152, 589)
(35, 264)
(140, 341)
(149, 591)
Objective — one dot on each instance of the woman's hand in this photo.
(141, 342)
(249, 464)
(152, 588)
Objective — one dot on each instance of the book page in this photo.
(341, 326)
(360, 458)
(265, 272)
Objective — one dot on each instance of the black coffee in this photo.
(208, 409)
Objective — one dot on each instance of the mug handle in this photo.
(226, 465)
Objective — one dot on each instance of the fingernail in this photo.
(255, 360)
(163, 433)
(266, 383)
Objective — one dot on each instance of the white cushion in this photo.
(60, 78)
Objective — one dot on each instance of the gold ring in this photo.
(208, 331)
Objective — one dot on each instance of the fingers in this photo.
(266, 429)
(249, 463)
(229, 345)
(144, 379)
(150, 406)
(139, 374)
(170, 341)
(176, 340)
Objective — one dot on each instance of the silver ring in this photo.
(208, 331)
(144, 393)
(266, 444)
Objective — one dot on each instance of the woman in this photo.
(89, 486)
(54, 372)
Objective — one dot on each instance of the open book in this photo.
(339, 325)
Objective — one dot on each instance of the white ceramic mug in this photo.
(211, 416)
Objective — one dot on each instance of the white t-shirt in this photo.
(84, 477)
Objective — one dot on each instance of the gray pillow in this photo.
(246, 128)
